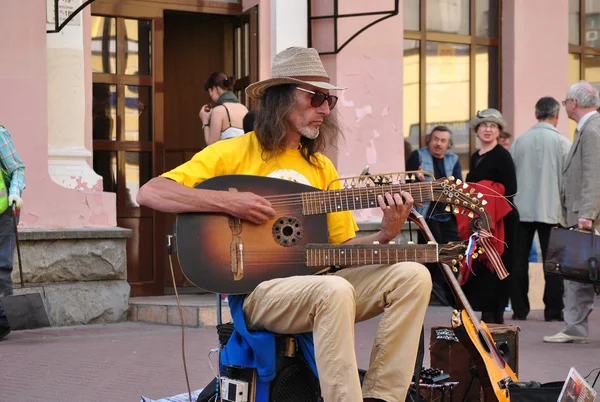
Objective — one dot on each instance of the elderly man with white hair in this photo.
(580, 192)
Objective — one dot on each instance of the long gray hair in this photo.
(272, 123)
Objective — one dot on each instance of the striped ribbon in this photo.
(485, 238)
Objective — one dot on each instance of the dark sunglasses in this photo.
(318, 98)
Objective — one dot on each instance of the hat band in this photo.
(310, 78)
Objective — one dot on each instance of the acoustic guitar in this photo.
(223, 254)
(494, 373)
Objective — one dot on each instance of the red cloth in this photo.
(497, 207)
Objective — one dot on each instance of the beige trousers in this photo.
(329, 305)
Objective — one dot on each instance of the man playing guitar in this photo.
(293, 126)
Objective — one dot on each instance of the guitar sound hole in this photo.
(287, 231)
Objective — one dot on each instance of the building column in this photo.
(67, 154)
(288, 24)
(535, 63)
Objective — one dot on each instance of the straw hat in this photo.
(491, 115)
(294, 65)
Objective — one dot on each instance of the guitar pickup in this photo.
(236, 251)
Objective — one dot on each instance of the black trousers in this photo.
(519, 287)
(7, 249)
(443, 232)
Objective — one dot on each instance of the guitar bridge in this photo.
(236, 250)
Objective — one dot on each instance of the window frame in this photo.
(582, 49)
(424, 36)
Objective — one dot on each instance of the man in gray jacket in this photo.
(580, 194)
(538, 155)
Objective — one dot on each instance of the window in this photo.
(584, 44)
(450, 68)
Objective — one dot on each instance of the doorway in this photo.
(195, 46)
(150, 62)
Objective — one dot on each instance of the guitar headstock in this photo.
(452, 254)
(460, 198)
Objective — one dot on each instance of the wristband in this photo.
(204, 126)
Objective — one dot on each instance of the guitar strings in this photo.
(359, 189)
(291, 199)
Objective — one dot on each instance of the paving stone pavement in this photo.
(121, 362)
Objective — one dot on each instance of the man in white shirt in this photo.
(538, 155)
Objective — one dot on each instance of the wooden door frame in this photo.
(153, 10)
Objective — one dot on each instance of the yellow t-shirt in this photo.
(243, 155)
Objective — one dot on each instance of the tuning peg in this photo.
(448, 200)
(413, 177)
(481, 209)
(475, 255)
(456, 210)
(483, 202)
(471, 215)
(480, 250)
(454, 262)
(460, 257)
(464, 211)
(447, 209)
(451, 178)
(392, 242)
(431, 242)
(475, 200)
(479, 195)
(471, 191)
(465, 186)
(411, 242)
(459, 181)
(454, 269)
(375, 242)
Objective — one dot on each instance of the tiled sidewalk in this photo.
(122, 362)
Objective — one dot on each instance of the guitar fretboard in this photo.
(323, 255)
(321, 202)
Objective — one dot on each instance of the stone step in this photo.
(198, 310)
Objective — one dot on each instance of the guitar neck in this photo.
(322, 202)
(324, 255)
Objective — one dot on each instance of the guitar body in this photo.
(275, 249)
(493, 371)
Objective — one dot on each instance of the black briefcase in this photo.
(573, 255)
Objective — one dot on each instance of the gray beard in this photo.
(311, 135)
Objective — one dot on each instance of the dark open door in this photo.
(229, 44)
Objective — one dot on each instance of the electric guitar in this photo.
(494, 373)
(223, 254)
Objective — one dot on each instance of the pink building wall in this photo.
(370, 110)
(23, 110)
(534, 59)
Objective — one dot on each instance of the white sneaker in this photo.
(564, 338)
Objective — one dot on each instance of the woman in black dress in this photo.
(485, 291)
